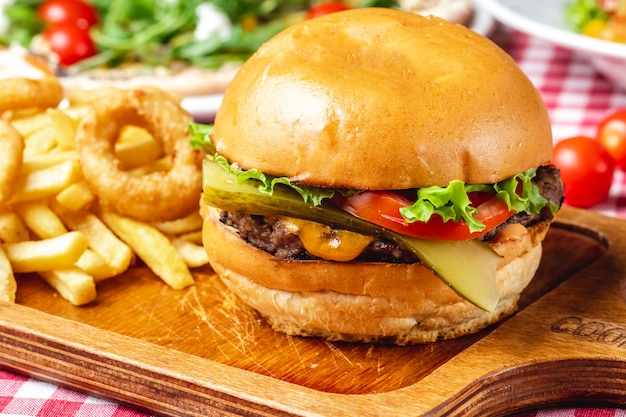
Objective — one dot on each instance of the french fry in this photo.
(130, 134)
(193, 237)
(32, 123)
(12, 228)
(53, 226)
(136, 147)
(61, 128)
(189, 223)
(153, 247)
(40, 219)
(117, 254)
(76, 196)
(162, 164)
(40, 255)
(38, 143)
(193, 255)
(8, 286)
(92, 264)
(72, 283)
(46, 182)
(41, 161)
(77, 112)
(52, 125)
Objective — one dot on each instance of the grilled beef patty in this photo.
(270, 235)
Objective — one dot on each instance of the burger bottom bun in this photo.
(366, 302)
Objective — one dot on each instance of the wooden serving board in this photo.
(200, 352)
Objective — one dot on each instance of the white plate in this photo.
(546, 19)
(204, 108)
(482, 23)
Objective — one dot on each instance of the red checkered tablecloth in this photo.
(21, 396)
(577, 98)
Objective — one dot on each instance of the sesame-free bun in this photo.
(382, 99)
(365, 301)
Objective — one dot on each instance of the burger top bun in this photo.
(382, 99)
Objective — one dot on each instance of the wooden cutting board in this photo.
(201, 352)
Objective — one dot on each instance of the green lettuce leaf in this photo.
(267, 183)
(451, 203)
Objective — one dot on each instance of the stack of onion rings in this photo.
(12, 145)
(158, 196)
(20, 90)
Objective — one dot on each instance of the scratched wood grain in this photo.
(200, 351)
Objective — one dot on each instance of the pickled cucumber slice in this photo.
(468, 267)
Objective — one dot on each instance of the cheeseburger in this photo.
(378, 176)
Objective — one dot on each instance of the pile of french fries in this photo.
(54, 227)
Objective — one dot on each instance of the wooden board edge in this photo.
(179, 384)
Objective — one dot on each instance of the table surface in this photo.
(577, 98)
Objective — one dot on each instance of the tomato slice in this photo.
(383, 208)
(323, 9)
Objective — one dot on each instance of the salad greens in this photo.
(451, 202)
(160, 32)
(579, 13)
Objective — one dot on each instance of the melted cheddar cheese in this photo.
(326, 243)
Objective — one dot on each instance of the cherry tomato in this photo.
(612, 135)
(326, 8)
(69, 42)
(586, 170)
(77, 12)
(383, 208)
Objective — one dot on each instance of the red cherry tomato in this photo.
(69, 42)
(326, 8)
(586, 170)
(612, 135)
(383, 208)
(77, 12)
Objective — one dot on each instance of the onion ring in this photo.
(12, 145)
(157, 196)
(26, 82)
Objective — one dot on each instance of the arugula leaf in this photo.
(24, 22)
(158, 32)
